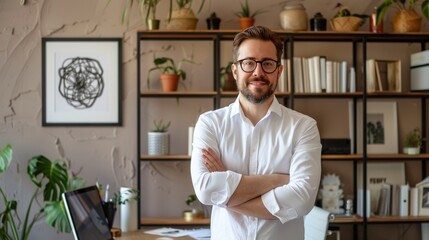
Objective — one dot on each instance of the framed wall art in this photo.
(381, 127)
(81, 81)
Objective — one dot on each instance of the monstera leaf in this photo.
(54, 179)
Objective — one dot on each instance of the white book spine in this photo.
(403, 200)
(352, 80)
(343, 76)
(414, 202)
(329, 77)
(190, 139)
(360, 203)
(323, 73)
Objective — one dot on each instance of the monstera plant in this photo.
(51, 178)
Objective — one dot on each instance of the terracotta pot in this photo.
(406, 21)
(182, 19)
(246, 22)
(169, 82)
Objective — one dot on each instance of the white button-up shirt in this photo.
(284, 141)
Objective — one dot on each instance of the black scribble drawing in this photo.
(81, 81)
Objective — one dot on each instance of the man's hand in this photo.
(212, 161)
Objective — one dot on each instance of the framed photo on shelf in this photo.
(81, 81)
(381, 127)
(423, 192)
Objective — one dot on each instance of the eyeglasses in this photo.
(249, 65)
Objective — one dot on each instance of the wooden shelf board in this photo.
(174, 221)
(178, 93)
(341, 156)
(165, 158)
(397, 219)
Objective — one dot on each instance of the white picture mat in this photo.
(105, 109)
(385, 110)
(379, 173)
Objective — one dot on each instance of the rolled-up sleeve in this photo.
(213, 188)
(297, 198)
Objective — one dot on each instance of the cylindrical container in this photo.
(318, 22)
(128, 210)
(349, 207)
(294, 17)
(373, 27)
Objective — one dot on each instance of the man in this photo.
(256, 161)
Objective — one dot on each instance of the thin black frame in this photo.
(117, 119)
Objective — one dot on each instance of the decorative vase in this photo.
(406, 21)
(318, 22)
(128, 210)
(158, 143)
(182, 19)
(293, 17)
(213, 22)
(246, 22)
(153, 24)
(169, 82)
(229, 83)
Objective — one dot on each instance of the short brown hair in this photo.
(257, 32)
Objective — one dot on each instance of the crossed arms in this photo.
(246, 198)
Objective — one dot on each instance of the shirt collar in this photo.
(275, 107)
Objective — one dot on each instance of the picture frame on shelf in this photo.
(382, 127)
(81, 81)
(423, 193)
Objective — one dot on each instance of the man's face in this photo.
(257, 86)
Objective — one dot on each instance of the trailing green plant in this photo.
(343, 11)
(413, 139)
(160, 126)
(188, 4)
(49, 177)
(401, 5)
(167, 65)
(191, 200)
(245, 11)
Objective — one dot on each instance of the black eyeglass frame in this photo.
(256, 65)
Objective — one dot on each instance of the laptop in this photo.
(85, 212)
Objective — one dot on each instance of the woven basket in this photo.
(182, 19)
(406, 21)
(346, 24)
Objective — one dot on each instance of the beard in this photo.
(259, 96)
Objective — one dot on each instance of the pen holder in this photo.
(109, 209)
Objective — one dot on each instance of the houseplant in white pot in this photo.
(413, 142)
(159, 139)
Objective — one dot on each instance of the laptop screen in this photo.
(85, 212)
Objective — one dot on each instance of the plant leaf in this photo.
(5, 157)
(56, 216)
(425, 8)
(41, 168)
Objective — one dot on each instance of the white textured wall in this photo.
(104, 154)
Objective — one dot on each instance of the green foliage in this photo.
(188, 4)
(167, 65)
(146, 8)
(119, 199)
(401, 5)
(413, 139)
(160, 126)
(191, 200)
(245, 11)
(343, 11)
(50, 177)
(224, 72)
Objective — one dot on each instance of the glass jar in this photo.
(294, 17)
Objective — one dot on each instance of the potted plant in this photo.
(227, 81)
(49, 177)
(147, 8)
(196, 208)
(247, 17)
(413, 142)
(345, 21)
(183, 17)
(170, 72)
(159, 139)
(406, 19)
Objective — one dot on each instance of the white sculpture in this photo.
(332, 194)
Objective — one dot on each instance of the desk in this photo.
(140, 235)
